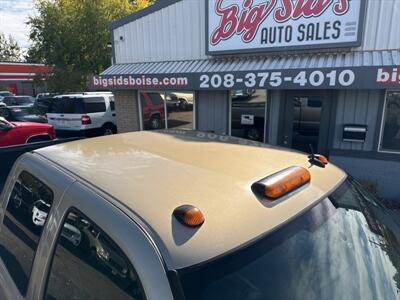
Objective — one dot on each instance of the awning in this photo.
(350, 70)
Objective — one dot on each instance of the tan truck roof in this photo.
(152, 173)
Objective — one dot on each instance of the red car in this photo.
(153, 110)
(18, 133)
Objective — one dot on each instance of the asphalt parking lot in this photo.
(180, 120)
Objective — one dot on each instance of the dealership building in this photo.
(288, 73)
(20, 78)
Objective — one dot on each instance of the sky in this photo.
(13, 16)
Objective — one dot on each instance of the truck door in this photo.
(30, 196)
(99, 253)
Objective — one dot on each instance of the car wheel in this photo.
(155, 122)
(108, 130)
(253, 134)
(38, 139)
(93, 257)
(183, 105)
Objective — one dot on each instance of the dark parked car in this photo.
(248, 116)
(171, 100)
(5, 94)
(22, 114)
(19, 101)
(179, 101)
(44, 104)
(45, 95)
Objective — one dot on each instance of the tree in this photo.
(9, 49)
(141, 4)
(72, 36)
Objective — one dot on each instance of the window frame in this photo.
(165, 92)
(58, 182)
(125, 230)
(382, 127)
(57, 242)
(266, 116)
(8, 190)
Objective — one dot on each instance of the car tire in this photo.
(183, 105)
(108, 129)
(253, 134)
(38, 139)
(155, 122)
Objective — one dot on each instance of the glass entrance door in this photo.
(306, 121)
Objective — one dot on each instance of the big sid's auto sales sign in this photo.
(236, 26)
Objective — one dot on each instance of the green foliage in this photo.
(5, 88)
(141, 4)
(9, 49)
(72, 36)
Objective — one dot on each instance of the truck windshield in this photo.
(346, 247)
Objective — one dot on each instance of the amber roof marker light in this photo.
(318, 160)
(283, 182)
(189, 215)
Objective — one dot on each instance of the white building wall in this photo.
(358, 107)
(177, 32)
(382, 25)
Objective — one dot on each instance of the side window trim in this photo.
(384, 117)
(58, 182)
(59, 236)
(137, 246)
(36, 219)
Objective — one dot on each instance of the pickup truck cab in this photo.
(190, 215)
(19, 133)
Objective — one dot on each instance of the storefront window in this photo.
(162, 110)
(390, 137)
(179, 110)
(248, 114)
(153, 110)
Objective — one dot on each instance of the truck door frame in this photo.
(111, 217)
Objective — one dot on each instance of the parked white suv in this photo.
(86, 114)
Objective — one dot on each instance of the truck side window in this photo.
(24, 219)
(88, 264)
